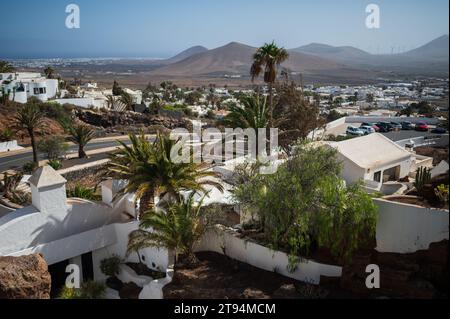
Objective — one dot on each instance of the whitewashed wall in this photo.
(404, 228)
(225, 241)
(9, 146)
(154, 258)
(28, 227)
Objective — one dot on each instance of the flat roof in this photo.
(371, 150)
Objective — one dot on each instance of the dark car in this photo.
(407, 126)
(422, 127)
(439, 130)
(396, 126)
(384, 127)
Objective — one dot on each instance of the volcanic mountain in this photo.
(236, 59)
(343, 54)
(186, 54)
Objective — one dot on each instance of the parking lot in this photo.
(395, 135)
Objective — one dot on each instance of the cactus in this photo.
(423, 177)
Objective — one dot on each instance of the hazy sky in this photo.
(150, 28)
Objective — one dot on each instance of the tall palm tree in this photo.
(49, 71)
(6, 67)
(81, 135)
(178, 229)
(267, 59)
(28, 118)
(254, 113)
(151, 173)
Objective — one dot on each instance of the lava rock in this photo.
(25, 277)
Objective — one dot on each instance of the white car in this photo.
(351, 130)
(367, 130)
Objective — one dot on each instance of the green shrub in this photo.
(111, 266)
(6, 135)
(88, 290)
(54, 146)
(55, 164)
(29, 167)
(305, 205)
(442, 193)
(80, 191)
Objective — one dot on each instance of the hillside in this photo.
(437, 49)
(236, 58)
(343, 53)
(429, 59)
(186, 54)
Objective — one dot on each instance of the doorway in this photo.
(58, 275)
(87, 267)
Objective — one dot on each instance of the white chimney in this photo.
(48, 191)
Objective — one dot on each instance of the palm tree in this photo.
(178, 229)
(254, 114)
(28, 118)
(150, 172)
(267, 59)
(81, 135)
(6, 67)
(112, 103)
(127, 100)
(49, 71)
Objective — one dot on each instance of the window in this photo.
(377, 177)
(38, 91)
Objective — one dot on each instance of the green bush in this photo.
(111, 266)
(29, 167)
(88, 290)
(6, 135)
(305, 205)
(80, 191)
(55, 164)
(54, 146)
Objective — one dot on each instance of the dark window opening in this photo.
(88, 267)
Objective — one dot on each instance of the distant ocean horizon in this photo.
(83, 57)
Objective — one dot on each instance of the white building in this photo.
(73, 231)
(373, 159)
(22, 86)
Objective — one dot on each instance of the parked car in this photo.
(422, 127)
(384, 127)
(439, 130)
(407, 126)
(396, 126)
(353, 131)
(374, 126)
(367, 130)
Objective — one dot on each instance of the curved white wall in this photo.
(225, 241)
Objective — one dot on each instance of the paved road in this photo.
(18, 160)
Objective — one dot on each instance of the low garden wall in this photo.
(9, 146)
(76, 172)
(405, 228)
(225, 241)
